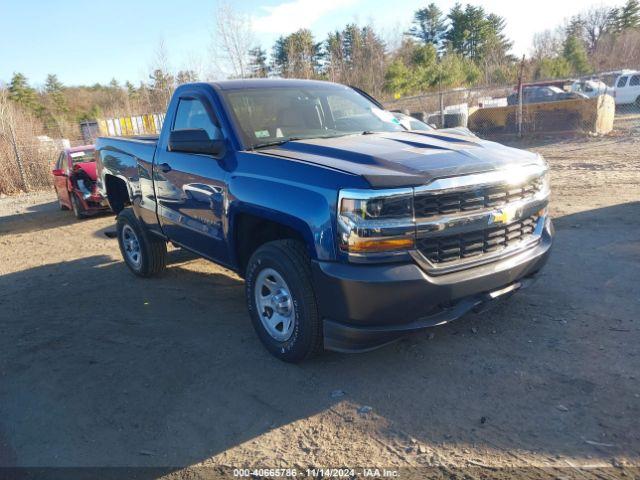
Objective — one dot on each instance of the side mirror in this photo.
(194, 140)
(58, 172)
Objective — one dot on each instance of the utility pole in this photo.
(520, 102)
(441, 96)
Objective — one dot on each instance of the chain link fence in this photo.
(28, 148)
(593, 105)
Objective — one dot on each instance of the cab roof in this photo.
(271, 83)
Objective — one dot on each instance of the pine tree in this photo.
(575, 54)
(429, 25)
(131, 89)
(297, 55)
(629, 15)
(161, 87)
(186, 76)
(24, 95)
(258, 63)
(280, 57)
(456, 34)
(473, 33)
(53, 88)
(160, 80)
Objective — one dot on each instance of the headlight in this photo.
(374, 221)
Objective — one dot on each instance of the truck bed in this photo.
(142, 147)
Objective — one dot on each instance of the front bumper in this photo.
(366, 306)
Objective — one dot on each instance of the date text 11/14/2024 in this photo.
(315, 472)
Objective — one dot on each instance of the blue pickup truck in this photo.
(349, 230)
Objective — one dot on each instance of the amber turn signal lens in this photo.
(372, 245)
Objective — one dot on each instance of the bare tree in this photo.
(621, 50)
(596, 21)
(548, 43)
(194, 62)
(232, 41)
(162, 81)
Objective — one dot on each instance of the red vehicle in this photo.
(74, 179)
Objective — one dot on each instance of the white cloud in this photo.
(291, 16)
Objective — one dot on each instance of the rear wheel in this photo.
(145, 254)
(281, 300)
(75, 205)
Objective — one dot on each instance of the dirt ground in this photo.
(99, 368)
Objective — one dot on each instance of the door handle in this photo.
(165, 167)
(202, 188)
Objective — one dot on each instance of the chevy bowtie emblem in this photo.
(504, 215)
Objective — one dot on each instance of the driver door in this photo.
(190, 188)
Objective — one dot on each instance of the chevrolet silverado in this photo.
(349, 230)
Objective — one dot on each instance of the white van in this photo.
(627, 88)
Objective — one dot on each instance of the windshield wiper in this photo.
(278, 142)
(289, 139)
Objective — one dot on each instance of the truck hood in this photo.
(402, 159)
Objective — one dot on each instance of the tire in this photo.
(76, 207)
(151, 258)
(287, 259)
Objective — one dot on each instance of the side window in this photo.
(192, 114)
(622, 81)
(635, 81)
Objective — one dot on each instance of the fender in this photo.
(306, 211)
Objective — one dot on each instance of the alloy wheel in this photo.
(131, 246)
(275, 304)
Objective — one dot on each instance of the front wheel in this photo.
(144, 253)
(281, 300)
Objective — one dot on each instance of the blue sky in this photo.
(86, 42)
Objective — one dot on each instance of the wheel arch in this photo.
(251, 230)
(117, 190)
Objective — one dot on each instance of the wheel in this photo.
(145, 254)
(75, 205)
(281, 300)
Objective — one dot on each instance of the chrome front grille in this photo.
(446, 249)
(488, 196)
(474, 219)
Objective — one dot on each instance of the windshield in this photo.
(84, 156)
(268, 116)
